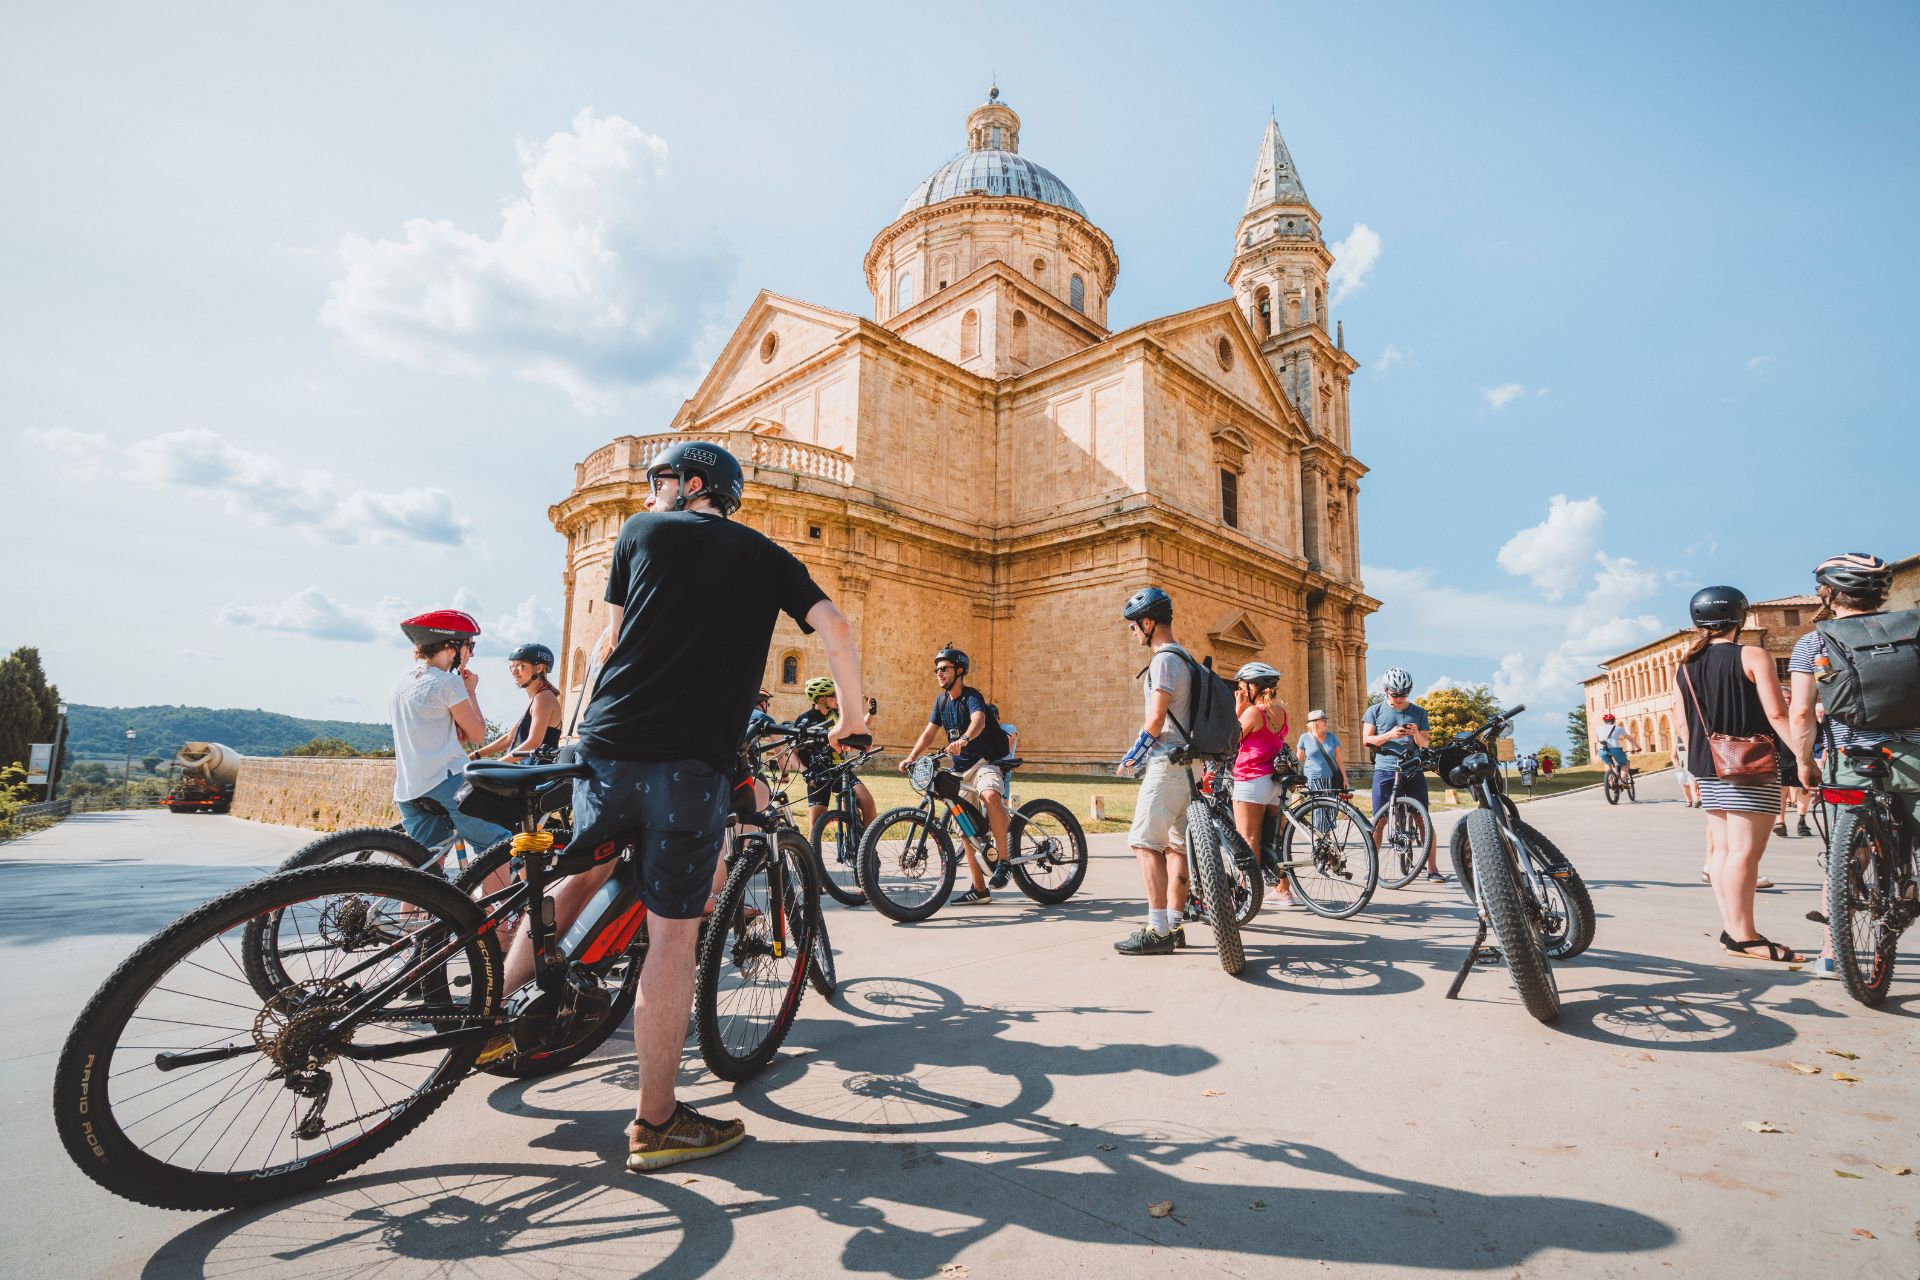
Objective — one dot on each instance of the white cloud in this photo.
(530, 621)
(594, 283)
(316, 614)
(1554, 554)
(86, 453)
(1500, 397)
(1759, 364)
(1418, 615)
(1353, 262)
(1389, 358)
(1445, 682)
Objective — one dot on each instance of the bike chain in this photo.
(443, 1087)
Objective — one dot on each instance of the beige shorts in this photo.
(983, 777)
(1160, 809)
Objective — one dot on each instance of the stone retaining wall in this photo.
(317, 792)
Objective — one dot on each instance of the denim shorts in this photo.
(673, 812)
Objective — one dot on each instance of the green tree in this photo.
(322, 747)
(150, 762)
(1451, 711)
(29, 706)
(1577, 736)
(1550, 753)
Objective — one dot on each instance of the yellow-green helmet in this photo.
(819, 687)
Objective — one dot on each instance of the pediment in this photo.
(1216, 345)
(799, 331)
(1236, 631)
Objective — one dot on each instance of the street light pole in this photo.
(126, 788)
(59, 745)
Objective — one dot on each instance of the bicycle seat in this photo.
(1008, 763)
(520, 779)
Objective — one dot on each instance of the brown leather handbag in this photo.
(1736, 758)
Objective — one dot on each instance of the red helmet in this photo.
(1607, 718)
(440, 626)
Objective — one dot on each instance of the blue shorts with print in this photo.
(673, 812)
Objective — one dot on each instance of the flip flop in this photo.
(1775, 952)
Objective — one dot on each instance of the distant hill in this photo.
(101, 732)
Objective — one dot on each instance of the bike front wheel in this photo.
(178, 1088)
(906, 865)
(1207, 859)
(1048, 837)
(1513, 925)
(1569, 917)
(836, 849)
(754, 955)
(1860, 895)
(1327, 852)
(1404, 834)
(379, 846)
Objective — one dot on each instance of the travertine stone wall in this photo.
(316, 792)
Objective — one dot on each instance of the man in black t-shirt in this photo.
(978, 744)
(693, 598)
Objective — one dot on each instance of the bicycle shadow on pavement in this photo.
(1689, 1007)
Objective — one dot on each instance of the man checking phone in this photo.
(435, 715)
(1395, 728)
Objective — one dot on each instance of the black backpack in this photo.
(1872, 676)
(1212, 727)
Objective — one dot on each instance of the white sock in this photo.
(1159, 920)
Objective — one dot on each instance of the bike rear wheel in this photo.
(906, 865)
(1513, 925)
(1047, 832)
(224, 1127)
(1335, 872)
(836, 848)
(1207, 860)
(1611, 786)
(754, 955)
(1860, 896)
(1405, 838)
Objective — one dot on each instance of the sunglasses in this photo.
(943, 668)
(659, 478)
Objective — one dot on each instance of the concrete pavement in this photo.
(997, 1091)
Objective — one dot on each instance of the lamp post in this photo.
(59, 745)
(126, 786)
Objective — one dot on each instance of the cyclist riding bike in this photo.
(817, 759)
(977, 745)
(539, 727)
(434, 712)
(693, 598)
(1615, 742)
(1396, 728)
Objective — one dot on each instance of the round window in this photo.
(1225, 351)
(769, 345)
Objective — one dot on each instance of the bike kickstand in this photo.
(1466, 966)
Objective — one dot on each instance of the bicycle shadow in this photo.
(1690, 1007)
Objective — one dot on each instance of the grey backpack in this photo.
(1872, 676)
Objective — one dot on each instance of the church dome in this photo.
(993, 173)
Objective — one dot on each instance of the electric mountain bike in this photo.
(907, 858)
(1403, 829)
(1872, 894)
(1319, 844)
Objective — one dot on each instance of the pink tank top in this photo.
(1259, 749)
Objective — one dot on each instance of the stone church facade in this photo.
(985, 463)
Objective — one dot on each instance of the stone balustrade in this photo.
(627, 458)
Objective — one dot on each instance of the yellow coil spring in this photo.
(532, 841)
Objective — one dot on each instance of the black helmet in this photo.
(538, 654)
(717, 468)
(953, 655)
(1715, 607)
(1149, 602)
(1856, 573)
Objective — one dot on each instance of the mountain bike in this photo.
(1211, 859)
(1403, 829)
(1567, 917)
(1495, 871)
(180, 1087)
(1619, 782)
(1872, 894)
(907, 860)
(776, 820)
(1319, 844)
(837, 835)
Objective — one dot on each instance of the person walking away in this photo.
(1158, 834)
(977, 745)
(693, 597)
(539, 727)
(435, 714)
(1729, 692)
(1395, 728)
(1256, 791)
(1880, 708)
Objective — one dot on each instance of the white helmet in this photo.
(1397, 680)
(1258, 674)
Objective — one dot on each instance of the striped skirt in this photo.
(1739, 797)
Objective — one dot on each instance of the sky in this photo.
(309, 312)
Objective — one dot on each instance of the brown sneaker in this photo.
(687, 1135)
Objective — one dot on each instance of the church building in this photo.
(985, 463)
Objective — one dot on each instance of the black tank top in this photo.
(526, 722)
(1731, 703)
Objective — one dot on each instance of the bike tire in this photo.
(736, 947)
(836, 851)
(822, 972)
(1513, 927)
(1206, 860)
(1065, 849)
(84, 1077)
(1398, 865)
(913, 831)
(526, 1066)
(381, 846)
(1850, 904)
(1577, 913)
(1632, 796)
(1358, 846)
(1246, 883)
(1611, 786)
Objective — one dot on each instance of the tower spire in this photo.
(1275, 180)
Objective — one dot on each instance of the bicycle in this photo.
(837, 835)
(391, 994)
(777, 819)
(1618, 782)
(1210, 871)
(1872, 895)
(1337, 876)
(1047, 853)
(1403, 829)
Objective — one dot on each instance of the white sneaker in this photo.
(1275, 898)
(1823, 968)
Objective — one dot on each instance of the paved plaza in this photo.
(997, 1094)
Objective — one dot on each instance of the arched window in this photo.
(969, 335)
(942, 272)
(1263, 312)
(1020, 337)
(994, 137)
(578, 671)
(1320, 307)
(790, 669)
(1077, 294)
(903, 293)
(1039, 268)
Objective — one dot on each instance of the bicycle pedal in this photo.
(1488, 956)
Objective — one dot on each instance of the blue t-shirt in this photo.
(1382, 718)
(1316, 757)
(955, 714)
